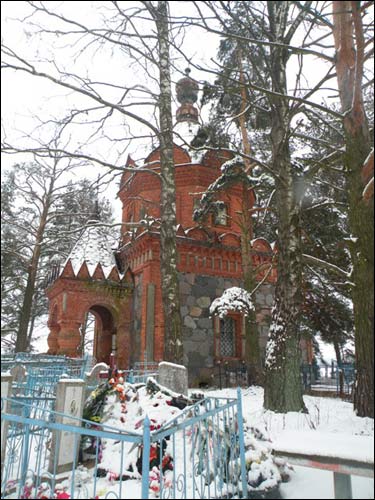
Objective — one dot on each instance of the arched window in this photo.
(227, 337)
(220, 217)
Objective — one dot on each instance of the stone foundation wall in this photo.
(197, 292)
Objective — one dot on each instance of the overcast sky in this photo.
(27, 100)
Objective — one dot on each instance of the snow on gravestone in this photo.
(174, 377)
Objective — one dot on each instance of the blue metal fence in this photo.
(42, 374)
(198, 454)
(207, 445)
(31, 467)
(331, 379)
(138, 376)
(73, 367)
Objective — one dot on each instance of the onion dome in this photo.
(187, 94)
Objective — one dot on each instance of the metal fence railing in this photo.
(329, 379)
(198, 454)
(35, 381)
(207, 444)
(73, 367)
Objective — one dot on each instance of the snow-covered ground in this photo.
(327, 416)
(330, 424)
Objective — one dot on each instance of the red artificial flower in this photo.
(112, 476)
(62, 495)
(153, 453)
(155, 488)
(167, 463)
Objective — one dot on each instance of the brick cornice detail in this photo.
(90, 286)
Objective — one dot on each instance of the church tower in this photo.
(125, 293)
(187, 115)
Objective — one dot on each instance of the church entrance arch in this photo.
(105, 331)
(76, 295)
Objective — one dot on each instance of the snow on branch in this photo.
(233, 299)
(314, 261)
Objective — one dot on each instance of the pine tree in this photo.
(348, 31)
(41, 219)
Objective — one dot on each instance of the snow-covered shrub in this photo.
(233, 299)
(264, 471)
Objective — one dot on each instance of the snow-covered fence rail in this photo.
(73, 367)
(198, 454)
(353, 455)
(31, 466)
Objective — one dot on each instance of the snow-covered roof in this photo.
(93, 247)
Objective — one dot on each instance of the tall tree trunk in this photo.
(27, 303)
(283, 386)
(252, 352)
(23, 341)
(349, 67)
(252, 349)
(173, 350)
(30, 332)
(337, 349)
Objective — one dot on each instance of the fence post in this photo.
(146, 458)
(19, 374)
(242, 443)
(69, 401)
(6, 392)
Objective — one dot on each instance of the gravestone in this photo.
(18, 373)
(95, 377)
(6, 392)
(174, 377)
(65, 444)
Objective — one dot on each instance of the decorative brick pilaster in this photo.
(123, 345)
(52, 339)
(69, 338)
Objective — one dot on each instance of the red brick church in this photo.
(122, 288)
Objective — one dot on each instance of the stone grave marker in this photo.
(174, 377)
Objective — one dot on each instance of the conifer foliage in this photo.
(42, 216)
